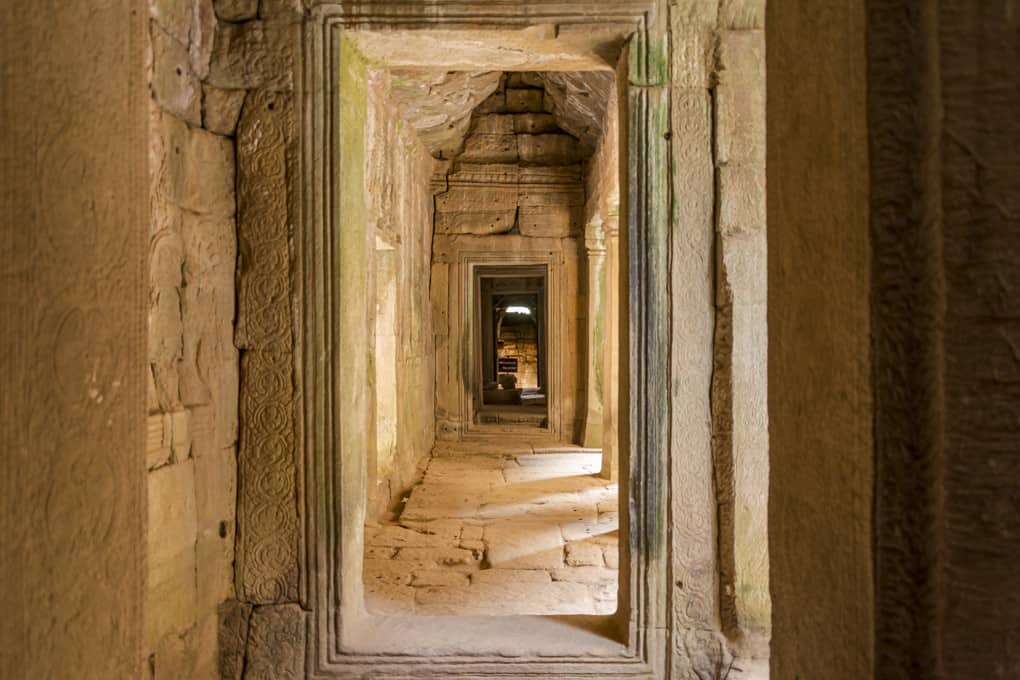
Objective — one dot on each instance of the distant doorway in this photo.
(512, 346)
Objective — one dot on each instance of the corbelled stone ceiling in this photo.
(438, 105)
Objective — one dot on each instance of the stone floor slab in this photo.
(499, 529)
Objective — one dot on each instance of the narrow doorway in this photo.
(512, 346)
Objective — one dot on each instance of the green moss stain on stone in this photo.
(351, 246)
(649, 59)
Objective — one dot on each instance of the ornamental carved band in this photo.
(267, 516)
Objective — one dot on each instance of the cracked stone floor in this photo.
(491, 531)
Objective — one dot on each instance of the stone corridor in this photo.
(499, 530)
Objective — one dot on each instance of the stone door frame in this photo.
(470, 325)
(330, 481)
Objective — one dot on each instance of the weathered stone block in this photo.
(402, 537)
(492, 222)
(528, 100)
(506, 598)
(582, 554)
(476, 199)
(389, 571)
(175, 87)
(172, 528)
(741, 199)
(263, 288)
(221, 110)
(534, 123)
(484, 148)
(549, 221)
(492, 124)
(191, 654)
(494, 173)
(494, 103)
(203, 33)
(549, 149)
(252, 54)
(276, 643)
(694, 13)
(742, 14)
(693, 56)
(389, 600)
(595, 574)
(524, 546)
(192, 168)
(215, 502)
(611, 554)
(745, 266)
(510, 576)
(236, 10)
(694, 176)
(740, 98)
(439, 578)
(560, 174)
(172, 16)
(158, 435)
(551, 196)
(280, 8)
(268, 525)
(232, 635)
(437, 556)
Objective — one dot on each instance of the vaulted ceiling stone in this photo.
(438, 105)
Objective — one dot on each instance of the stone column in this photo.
(73, 346)
(739, 391)
(611, 350)
(595, 343)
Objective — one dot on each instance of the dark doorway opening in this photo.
(513, 345)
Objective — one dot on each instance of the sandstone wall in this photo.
(193, 363)
(945, 236)
(719, 301)
(73, 121)
(400, 210)
(820, 405)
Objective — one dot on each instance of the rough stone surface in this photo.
(438, 105)
(740, 98)
(267, 541)
(176, 88)
(276, 643)
(73, 346)
(820, 505)
(232, 637)
(401, 209)
(193, 364)
(253, 54)
(488, 533)
(221, 110)
(578, 102)
(236, 10)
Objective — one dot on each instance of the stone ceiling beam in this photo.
(494, 50)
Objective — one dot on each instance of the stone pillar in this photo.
(611, 350)
(739, 398)
(379, 469)
(820, 374)
(595, 343)
(73, 346)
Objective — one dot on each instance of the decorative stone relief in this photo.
(267, 536)
(253, 54)
(276, 644)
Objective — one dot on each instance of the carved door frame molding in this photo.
(329, 528)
